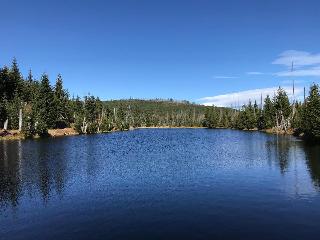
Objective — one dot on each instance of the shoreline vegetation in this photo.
(31, 108)
(16, 135)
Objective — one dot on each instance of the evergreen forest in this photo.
(33, 106)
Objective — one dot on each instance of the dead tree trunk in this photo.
(5, 126)
(84, 126)
(20, 120)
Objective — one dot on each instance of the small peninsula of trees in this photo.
(34, 106)
(277, 114)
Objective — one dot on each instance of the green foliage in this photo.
(282, 106)
(153, 113)
(13, 108)
(268, 114)
(3, 110)
(311, 123)
(61, 104)
(29, 122)
(297, 121)
(78, 122)
(45, 107)
(211, 117)
(16, 80)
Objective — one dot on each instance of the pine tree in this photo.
(13, 108)
(61, 102)
(7, 87)
(248, 117)
(29, 88)
(3, 110)
(211, 117)
(311, 121)
(16, 81)
(297, 121)
(45, 108)
(2, 83)
(4, 79)
(282, 109)
(268, 113)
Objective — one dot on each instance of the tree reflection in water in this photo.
(313, 162)
(41, 169)
(31, 168)
(283, 151)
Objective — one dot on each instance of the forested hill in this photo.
(159, 112)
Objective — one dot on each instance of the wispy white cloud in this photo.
(241, 98)
(255, 73)
(224, 77)
(299, 58)
(310, 72)
(305, 64)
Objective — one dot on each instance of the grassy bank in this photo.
(16, 135)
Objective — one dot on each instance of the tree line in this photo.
(277, 113)
(33, 106)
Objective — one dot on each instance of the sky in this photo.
(209, 52)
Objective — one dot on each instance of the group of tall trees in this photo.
(276, 113)
(32, 106)
(35, 106)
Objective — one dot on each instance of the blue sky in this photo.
(211, 52)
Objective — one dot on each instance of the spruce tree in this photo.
(211, 117)
(29, 88)
(4, 79)
(268, 113)
(2, 84)
(61, 100)
(13, 108)
(16, 81)
(282, 109)
(45, 108)
(3, 111)
(7, 87)
(251, 116)
(311, 123)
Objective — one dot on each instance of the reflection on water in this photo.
(211, 169)
(32, 167)
(312, 154)
(10, 179)
(279, 149)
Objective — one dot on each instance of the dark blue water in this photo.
(160, 184)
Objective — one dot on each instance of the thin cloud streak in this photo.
(255, 73)
(237, 99)
(224, 77)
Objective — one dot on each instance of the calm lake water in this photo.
(160, 184)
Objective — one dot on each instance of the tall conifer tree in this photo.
(45, 107)
(312, 113)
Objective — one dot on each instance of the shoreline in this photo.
(168, 127)
(16, 135)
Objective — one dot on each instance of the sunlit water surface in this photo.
(160, 184)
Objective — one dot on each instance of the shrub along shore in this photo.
(32, 107)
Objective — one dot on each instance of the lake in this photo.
(160, 184)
